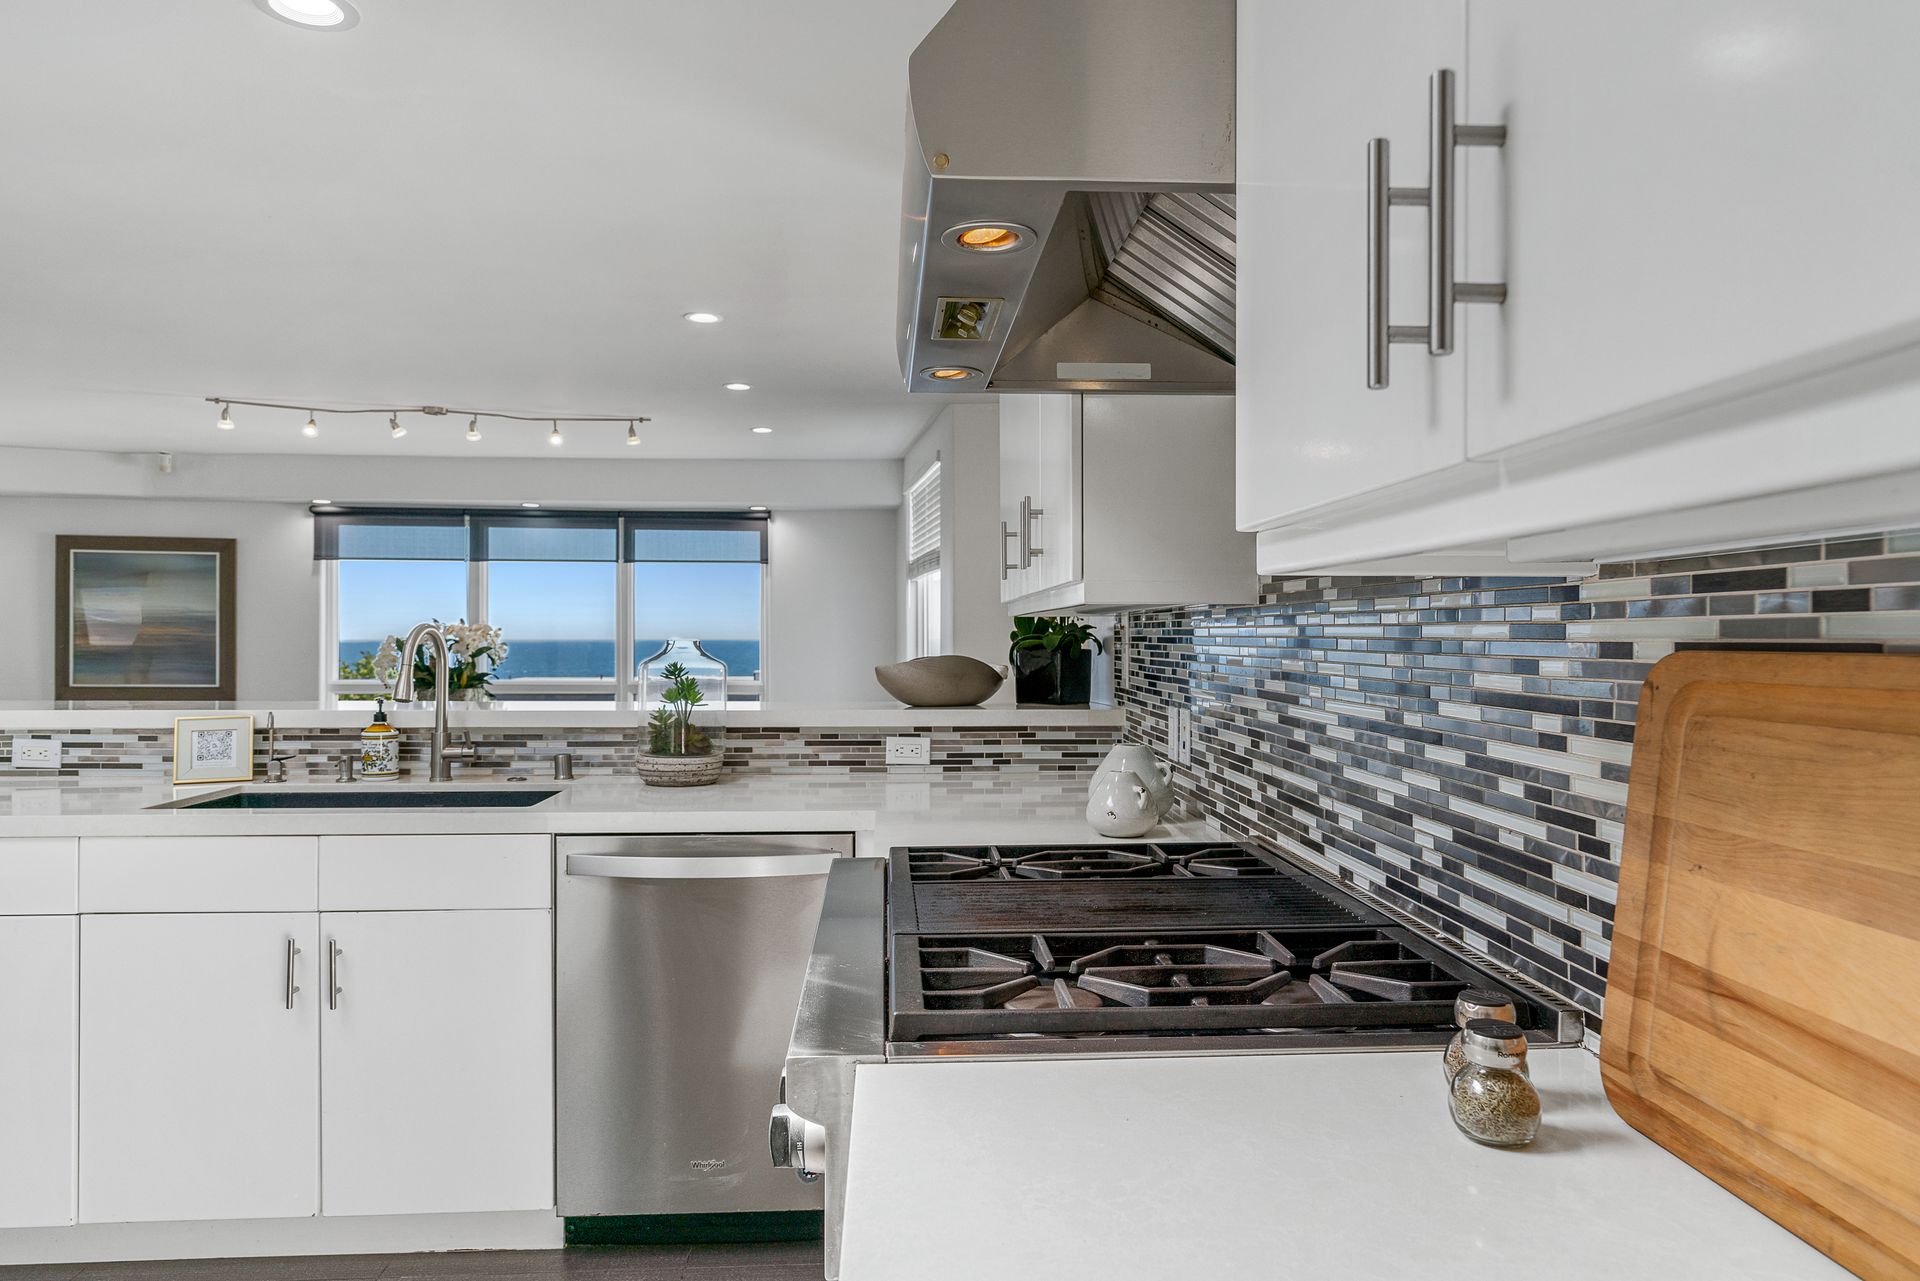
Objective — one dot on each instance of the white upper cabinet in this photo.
(1707, 322)
(1317, 80)
(1114, 501)
(437, 1053)
(1697, 201)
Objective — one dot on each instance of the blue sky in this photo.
(552, 600)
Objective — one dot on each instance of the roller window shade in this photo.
(488, 535)
(655, 537)
(546, 537)
(923, 524)
(389, 535)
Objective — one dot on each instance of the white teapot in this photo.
(1138, 760)
(1121, 805)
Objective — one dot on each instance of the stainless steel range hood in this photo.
(1067, 213)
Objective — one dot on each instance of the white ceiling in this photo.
(495, 203)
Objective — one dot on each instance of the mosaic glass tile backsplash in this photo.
(1460, 746)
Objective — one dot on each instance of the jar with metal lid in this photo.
(1491, 1099)
(1474, 1003)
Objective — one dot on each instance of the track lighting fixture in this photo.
(396, 429)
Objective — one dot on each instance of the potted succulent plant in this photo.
(1051, 660)
(678, 752)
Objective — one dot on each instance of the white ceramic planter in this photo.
(678, 771)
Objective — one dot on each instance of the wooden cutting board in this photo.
(1763, 1010)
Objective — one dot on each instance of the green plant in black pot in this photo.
(1051, 660)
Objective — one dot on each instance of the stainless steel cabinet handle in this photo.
(1443, 291)
(1029, 550)
(1443, 135)
(669, 867)
(334, 953)
(293, 950)
(1006, 566)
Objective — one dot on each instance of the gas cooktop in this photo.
(1184, 948)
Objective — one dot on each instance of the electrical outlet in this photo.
(36, 753)
(909, 751)
(1180, 734)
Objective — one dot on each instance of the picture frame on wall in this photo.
(143, 619)
(212, 749)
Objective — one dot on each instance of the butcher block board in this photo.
(1763, 1010)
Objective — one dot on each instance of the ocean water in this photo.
(550, 658)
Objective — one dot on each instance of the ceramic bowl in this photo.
(943, 680)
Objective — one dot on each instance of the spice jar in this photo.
(1491, 1099)
(1474, 1003)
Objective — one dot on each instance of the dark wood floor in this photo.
(782, 1261)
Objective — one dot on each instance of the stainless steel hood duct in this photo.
(1099, 133)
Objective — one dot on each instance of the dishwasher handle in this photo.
(671, 867)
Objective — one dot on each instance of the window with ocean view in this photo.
(569, 592)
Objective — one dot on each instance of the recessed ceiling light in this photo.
(314, 15)
(739, 386)
(703, 317)
(763, 431)
(529, 504)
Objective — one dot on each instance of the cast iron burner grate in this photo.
(1080, 862)
(1169, 983)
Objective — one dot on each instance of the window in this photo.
(570, 591)
(924, 634)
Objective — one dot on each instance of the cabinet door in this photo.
(38, 1025)
(1019, 482)
(437, 1055)
(1317, 79)
(200, 1097)
(1696, 201)
(1055, 532)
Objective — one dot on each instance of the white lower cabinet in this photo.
(200, 1088)
(437, 1059)
(38, 1070)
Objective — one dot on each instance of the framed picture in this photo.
(148, 619)
(213, 749)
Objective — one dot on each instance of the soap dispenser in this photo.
(380, 746)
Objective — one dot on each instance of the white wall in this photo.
(276, 634)
(833, 604)
(833, 609)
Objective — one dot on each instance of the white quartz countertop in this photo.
(898, 808)
(52, 717)
(1288, 1167)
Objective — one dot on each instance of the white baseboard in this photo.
(243, 1238)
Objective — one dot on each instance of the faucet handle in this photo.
(343, 767)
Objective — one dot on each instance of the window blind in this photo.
(489, 534)
(923, 523)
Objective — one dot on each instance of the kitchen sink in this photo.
(313, 798)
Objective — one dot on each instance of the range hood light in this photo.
(989, 237)
(951, 373)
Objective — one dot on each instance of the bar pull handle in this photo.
(1381, 197)
(334, 953)
(1443, 135)
(293, 950)
(1006, 566)
(1029, 550)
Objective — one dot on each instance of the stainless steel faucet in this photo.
(276, 763)
(440, 746)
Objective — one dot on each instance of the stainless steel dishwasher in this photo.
(679, 962)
